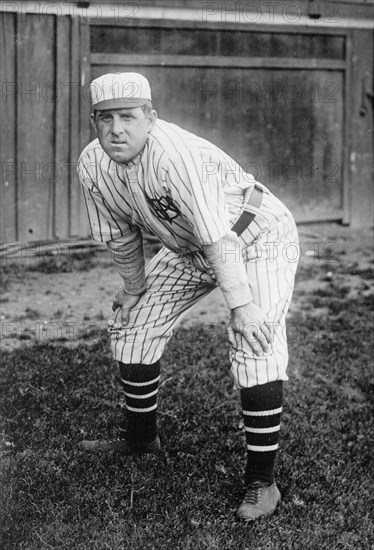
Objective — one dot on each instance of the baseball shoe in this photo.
(260, 500)
(119, 446)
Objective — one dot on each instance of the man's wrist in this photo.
(237, 294)
(238, 308)
(134, 290)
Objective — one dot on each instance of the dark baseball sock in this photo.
(262, 408)
(140, 384)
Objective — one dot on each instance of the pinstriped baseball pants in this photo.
(176, 282)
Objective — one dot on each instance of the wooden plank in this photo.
(8, 116)
(85, 67)
(254, 16)
(85, 111)
(216, 61)
(214, 25)
(223, 43)
(230, 4)
(306, 25)
(328, 216)
(347, 136)
(16, 250)
(62, 146)
(207, 42)
(36, 125)
(74, 126)
(79, 121)
(362, 146)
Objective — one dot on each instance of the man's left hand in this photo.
(126, 302)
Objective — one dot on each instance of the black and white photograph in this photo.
(187, 275)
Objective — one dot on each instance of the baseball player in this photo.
(219, 227)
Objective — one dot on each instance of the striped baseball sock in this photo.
(262, 408)
(140, 384)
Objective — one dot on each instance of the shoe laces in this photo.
(253, 493)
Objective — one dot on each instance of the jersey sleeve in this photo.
(105, 224)
(195, 186)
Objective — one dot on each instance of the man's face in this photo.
(123, 133)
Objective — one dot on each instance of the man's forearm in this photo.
(128, 255)
(224, 257)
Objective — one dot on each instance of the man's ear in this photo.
(152, 118)
(93, 122)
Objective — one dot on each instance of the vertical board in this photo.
(8, 154)
(85, 65)
(362, 137)
(74, 119)
(84, 116)
(79, 121)
(62, 128)
(36, 125)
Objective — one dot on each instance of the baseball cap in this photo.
(119, 90)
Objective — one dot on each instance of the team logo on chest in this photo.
(164, 208)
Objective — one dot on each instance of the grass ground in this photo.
(53, 396)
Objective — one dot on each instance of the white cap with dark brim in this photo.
(119, 91)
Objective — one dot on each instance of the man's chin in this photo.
(119, 157)
(121, 153)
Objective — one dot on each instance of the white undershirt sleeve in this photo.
(128, 255)
(225, 259)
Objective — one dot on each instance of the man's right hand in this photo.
(126, 302)
(250, 321)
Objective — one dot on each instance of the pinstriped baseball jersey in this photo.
(181, 188)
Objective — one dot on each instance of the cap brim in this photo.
(121, 103)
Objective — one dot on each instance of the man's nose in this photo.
(117, 127)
